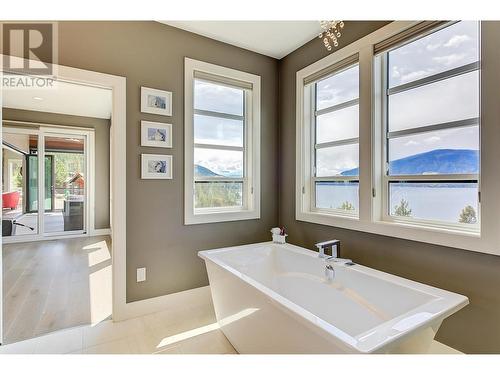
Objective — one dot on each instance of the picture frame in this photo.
(156, 101)
(156, 134)
(156, 167)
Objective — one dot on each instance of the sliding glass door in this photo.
(32, 189)
(65, 183)
(20, 187)
(62, 187)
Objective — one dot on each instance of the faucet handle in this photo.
(334, 244)
(327, 243)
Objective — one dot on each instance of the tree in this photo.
(217, 194)
(347, 206)
(67, 165)
(402, 209)
(17, 174)
(468, 215)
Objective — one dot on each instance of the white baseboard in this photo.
(100, 232)
(34, 238)
(193, 297)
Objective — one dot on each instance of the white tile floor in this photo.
(189, 331)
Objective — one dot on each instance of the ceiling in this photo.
(271, 38)
(65, 98)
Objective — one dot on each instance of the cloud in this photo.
(433, 47)
(412, 143)
(449, 59)
(412, 76)
(395, 72)
(218, 98)
(338, 88)
(457, 40)
(433, 139)
(219, 161)
(218, 131)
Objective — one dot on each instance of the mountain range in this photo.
(200, 171)
(442, 161)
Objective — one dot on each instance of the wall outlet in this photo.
(141, 275)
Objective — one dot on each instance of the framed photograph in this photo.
(156, 167)
(156, 134)
(156, 101)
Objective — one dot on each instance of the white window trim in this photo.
(371, 157)
(251, 190)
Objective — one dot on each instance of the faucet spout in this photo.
(329, 272)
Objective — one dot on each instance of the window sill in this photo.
(459, 229)
(450, 237)
(336, 213)
(221, 216)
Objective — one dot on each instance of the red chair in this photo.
(10, 200)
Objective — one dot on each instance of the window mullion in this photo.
(429, 128)
(203, 112)
(218, 147)
(337, 107)
(434, 177)
(435, 78)
(342, 142)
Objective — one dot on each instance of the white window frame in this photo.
(311, 128)
(251, 179)
(371, 151)
(383, 103)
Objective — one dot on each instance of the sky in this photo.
(453, 99)
(223, 162)
(218, 98)
(338, 88)
(219, 131)
(450, 100)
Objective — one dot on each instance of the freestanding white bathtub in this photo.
(272, 298)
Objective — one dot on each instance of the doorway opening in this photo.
(56, 192)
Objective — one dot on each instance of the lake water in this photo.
(443, 202)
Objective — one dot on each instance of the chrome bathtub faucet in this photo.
(334, 244)
(335, 257)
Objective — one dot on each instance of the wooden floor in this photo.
(52, 285)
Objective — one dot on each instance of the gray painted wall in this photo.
(101, 127)
(151, 54)
(474, 329)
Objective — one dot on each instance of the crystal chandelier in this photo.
(331, 33)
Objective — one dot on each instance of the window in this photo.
(432, 128)
(222, 128)
(336, 145)
(414, 141)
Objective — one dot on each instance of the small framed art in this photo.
(156, 134)
(156, 101)
(156, 167)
